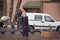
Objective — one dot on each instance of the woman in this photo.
(25, 26)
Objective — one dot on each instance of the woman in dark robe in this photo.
(25, 26)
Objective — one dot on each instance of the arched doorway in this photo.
(2, 7)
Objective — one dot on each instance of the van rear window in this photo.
(38, 17)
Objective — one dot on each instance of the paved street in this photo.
(18, 36)
(35, 36)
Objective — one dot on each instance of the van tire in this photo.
(31, 28)
(58, 29)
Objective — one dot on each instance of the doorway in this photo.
(1, 8)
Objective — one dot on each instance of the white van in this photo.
(40, 21)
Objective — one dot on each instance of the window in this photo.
(48, 19)
(38, 17)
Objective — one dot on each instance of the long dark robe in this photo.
(25, 26)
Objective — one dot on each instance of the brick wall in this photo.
(53, 9)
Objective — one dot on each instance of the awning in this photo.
(32, 4)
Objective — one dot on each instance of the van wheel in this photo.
(31, 29)
(58, 29)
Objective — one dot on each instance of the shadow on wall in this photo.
(58, 11)
(59, 8)
(56, 1)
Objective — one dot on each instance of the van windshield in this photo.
(48, 19)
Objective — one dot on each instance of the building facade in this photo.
(10, 7)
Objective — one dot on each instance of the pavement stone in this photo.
(35, 36)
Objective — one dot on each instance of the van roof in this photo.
(38, 14)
